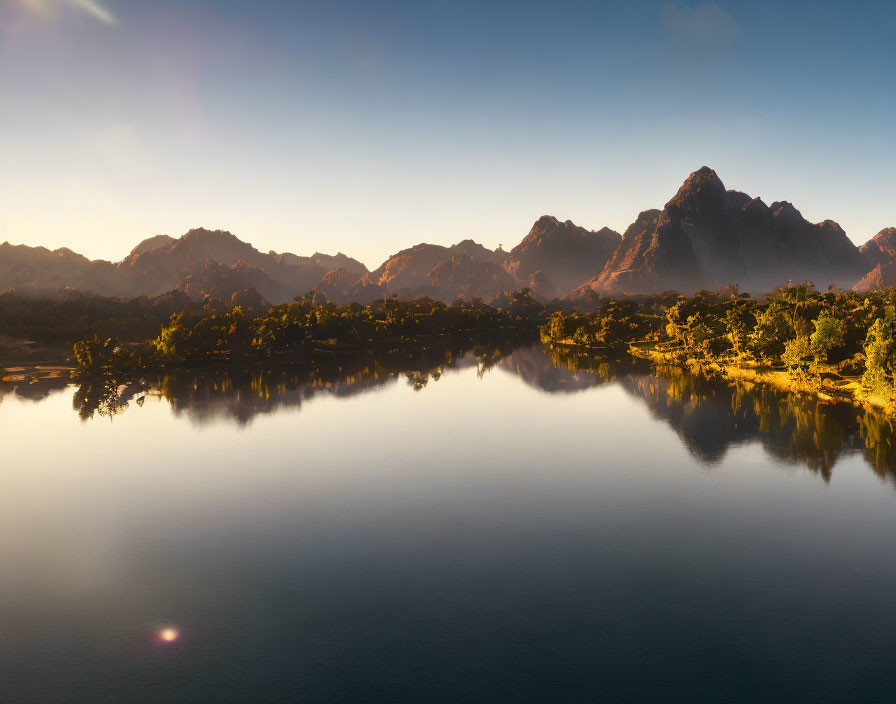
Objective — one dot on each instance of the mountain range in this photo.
(705, 237)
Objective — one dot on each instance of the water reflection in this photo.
(241, 393)
(32, 383)
(709, 414)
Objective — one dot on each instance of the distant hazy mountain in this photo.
(152, 243)
(219, 281)
(564, 253)
(40, 269)
(465, 270)
(343, 286)
(407, 269)
(201, 263)
(554, 257)
(708, 237)
(182, 263)
(462, 276)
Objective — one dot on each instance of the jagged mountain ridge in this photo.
(563, 252)
(201, 262)
(216, 263)
(881, 249)
(709, 237)
(704, 237)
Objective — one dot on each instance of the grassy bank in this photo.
(824, 381)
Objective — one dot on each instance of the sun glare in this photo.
(168, 635)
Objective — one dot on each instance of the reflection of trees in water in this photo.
(242, 392)
(709, 414)
(106, 397)
(879, 435)
(34, 385)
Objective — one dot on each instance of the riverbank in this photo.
(16, 351)
(825, 383)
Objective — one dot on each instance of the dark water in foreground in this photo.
(500, 528)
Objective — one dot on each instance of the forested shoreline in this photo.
(836, 343)
(305, 326)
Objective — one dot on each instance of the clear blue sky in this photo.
(369, 126)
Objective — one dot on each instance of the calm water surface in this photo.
(440, 529)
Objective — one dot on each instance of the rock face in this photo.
(880, 249)
(344, 286)
(709, 237)
(221, 282)
(551, 259)
(407, 269)
(880, 276)
(475, 250)
(465, 270)
(339, 261)
(542, 287)
(163, 267)
(462, 276)
(564, 253)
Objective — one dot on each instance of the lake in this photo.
(443, 526)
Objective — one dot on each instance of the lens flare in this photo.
(95, 9)
(51, 9)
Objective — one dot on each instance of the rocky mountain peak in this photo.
(565, 253)
(150, 243)
(704, 184)
(709, 237)
(546, 222)
(785, 212)
(880, 249)
(886, 237)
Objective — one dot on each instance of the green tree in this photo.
(797, 353)
(828, 334)
(773, 329)
(739, 321)
(879, 358)
(173, 339)
(96, 354)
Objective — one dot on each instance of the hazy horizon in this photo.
(344, 127)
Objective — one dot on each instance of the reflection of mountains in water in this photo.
(709, 414)
(560, 370)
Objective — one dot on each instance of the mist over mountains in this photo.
(705, 237)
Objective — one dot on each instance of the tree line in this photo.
(233, 334)
(796, 328)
